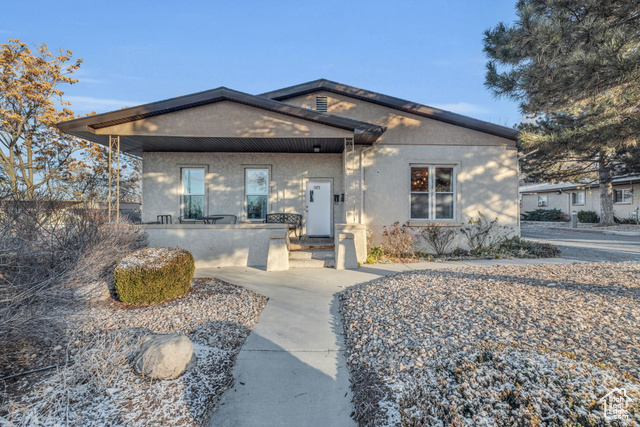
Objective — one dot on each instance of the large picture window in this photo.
(257, 193)
(433, 193)
(192, 192)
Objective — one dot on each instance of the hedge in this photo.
(152, 275)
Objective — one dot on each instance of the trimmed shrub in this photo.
(545, 215)
(152, 275)
(588, 217)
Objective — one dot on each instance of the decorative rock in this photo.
(164, 357)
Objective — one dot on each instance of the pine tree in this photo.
(574, 68)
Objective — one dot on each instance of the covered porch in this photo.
(224, 153)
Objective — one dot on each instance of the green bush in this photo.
(375, 254)
(522, 248)
(625, 220)
(152, 275)
(588, 217)
(545, 215)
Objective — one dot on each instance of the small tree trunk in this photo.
(606, 191)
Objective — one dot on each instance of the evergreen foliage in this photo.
(574, 68)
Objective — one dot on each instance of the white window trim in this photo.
(584, 198)
(432, 191)
(623, 191)
(257, 167)
(546, 202)
(183, 194)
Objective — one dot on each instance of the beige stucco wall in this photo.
(486, 182)
(224, 178)
(402, 127)
(218, 245)
(225, 119)
(562, 201)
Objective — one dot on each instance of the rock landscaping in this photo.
(98, 385)
(501, 345)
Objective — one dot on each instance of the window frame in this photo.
(431, 191)
(622, 201)
(246, 194)
(542, 204)
(183, 194)
(573, 198)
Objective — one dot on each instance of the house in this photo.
(570, 197)
(348, 160)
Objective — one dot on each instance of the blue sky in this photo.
(142, 51)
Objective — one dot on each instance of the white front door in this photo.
(318, 200)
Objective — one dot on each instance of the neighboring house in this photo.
(569, 197)
(348, 160)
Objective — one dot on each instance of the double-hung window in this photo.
(577, 198)
(623, 196)
(192, 192)
(433, 193)
(257, 193)
(542, 200)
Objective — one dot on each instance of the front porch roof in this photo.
(173, 125)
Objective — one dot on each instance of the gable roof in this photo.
(364, 133)
(392, 102)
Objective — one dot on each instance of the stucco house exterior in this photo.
(570, 197)
(348, 160)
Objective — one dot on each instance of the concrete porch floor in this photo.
(291, 370)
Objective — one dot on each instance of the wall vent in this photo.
(321, 104)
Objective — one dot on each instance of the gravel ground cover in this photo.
(450, 347)
(99, 387)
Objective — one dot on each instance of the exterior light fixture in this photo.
(316, 148)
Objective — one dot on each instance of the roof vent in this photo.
(321, 104)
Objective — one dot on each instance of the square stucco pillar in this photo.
(345, 251)
(278, 256)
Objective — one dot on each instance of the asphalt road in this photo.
(587, 246)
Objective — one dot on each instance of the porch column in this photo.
(114, 177)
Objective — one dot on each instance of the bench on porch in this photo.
(294, 221)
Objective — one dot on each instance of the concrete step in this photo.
(311, 254)
(311, 263)
(310, 247)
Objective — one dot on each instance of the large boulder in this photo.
(164, 357)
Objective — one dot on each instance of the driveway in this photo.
(586, 246)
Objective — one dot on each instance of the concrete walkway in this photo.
(291, 370)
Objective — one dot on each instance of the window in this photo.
(257, 193)
(192, 192)
(577, 198)
(623, 196)
(542, 200)
(432, 192)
